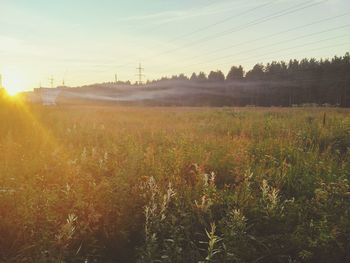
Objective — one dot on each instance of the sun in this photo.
(11, 92)
(12, 82)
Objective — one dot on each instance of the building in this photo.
(48, 96)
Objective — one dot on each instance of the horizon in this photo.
(84, 43)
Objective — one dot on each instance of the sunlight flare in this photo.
(11, 92)
(13, 81)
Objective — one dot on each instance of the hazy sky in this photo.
(88, 41)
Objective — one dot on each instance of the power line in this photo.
(194, 8)
(314, 49)
(290, 54)
(286, 11)
(275, 15)
(223, 21)
(269, 36)
(154, 28)
(298, 46)
(275, 44)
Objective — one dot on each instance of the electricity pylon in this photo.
(51, 81)
(140, 74)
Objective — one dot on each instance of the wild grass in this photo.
(119, 184)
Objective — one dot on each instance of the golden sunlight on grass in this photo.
(11, 92)
(79, 182)
(10, 95)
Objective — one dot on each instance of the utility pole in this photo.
(116, 78)
(63, 83)
(51, 81)
(140, 74)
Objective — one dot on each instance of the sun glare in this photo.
(11, 92)
(12, 83)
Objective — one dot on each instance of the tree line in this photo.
(280, 83)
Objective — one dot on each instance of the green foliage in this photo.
(235, 73)
(108, 184)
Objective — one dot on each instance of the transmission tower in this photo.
(51, 81)
(140, 74)
(116, 78)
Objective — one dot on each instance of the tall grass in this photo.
(110, 184)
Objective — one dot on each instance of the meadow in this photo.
(160, 184)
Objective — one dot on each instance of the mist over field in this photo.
(296, 83)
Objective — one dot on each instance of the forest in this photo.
(286, 83)
(305, 82)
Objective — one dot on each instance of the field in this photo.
(143, 184)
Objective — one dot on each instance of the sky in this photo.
(89, 41)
